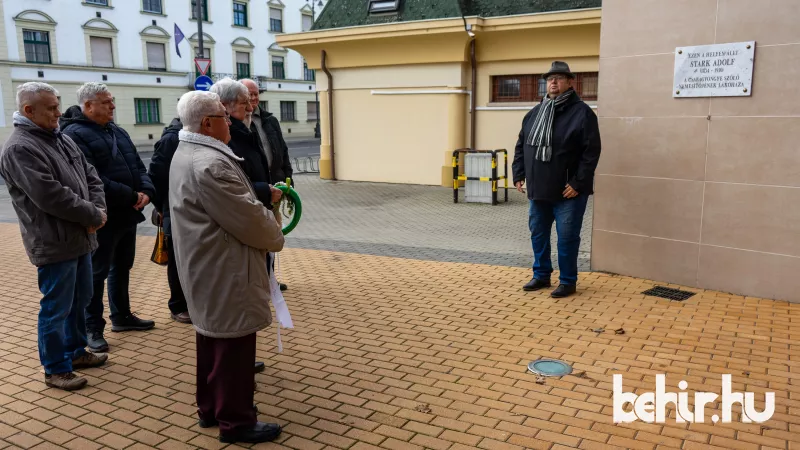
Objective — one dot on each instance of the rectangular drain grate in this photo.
(668, 293)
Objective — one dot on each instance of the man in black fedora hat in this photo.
(556, 156)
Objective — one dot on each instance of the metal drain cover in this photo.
(550, 368)
(669, 293)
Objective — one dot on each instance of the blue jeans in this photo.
(568, 215)
(66, 288)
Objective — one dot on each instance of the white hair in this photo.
(229, 90)
(194, 106)
(27, 92)
(89, 92)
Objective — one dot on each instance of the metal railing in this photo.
(305, 164)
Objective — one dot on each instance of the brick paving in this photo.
(399, 353)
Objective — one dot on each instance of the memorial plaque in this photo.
(720, 70)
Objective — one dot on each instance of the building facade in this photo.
(403, 86)
(130, 46)
(705, 191)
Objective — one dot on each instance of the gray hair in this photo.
(229, 90)
(89, 92)
(194, 106)
(27, 92)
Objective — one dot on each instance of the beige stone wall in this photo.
(702, 192)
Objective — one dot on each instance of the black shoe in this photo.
(563, 290)
(259, 367)
(260, 432)
(283, 287)
(131, 323)
(535, 285)
(213, 422)
(97, 344)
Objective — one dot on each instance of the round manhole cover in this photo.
(550, 368)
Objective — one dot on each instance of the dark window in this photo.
(152, 6)
(309, 75)
(242, 65)
(288, 112)
(276, 20)
(533, 88)
(239, 14)
(98, 2)
(37, 46)
(278, 71)
(263, 105)
(204, 8)
(147, 110)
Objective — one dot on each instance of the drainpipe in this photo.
(330, 111)
(473, 112)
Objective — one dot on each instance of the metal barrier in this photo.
(494, 178)
(305, 164)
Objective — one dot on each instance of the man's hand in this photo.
(569, 192)
(518, 184)
(276, 193)
(144, 200)
(93, 230)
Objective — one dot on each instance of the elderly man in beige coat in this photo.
(221, 234)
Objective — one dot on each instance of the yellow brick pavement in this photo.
(404, 354)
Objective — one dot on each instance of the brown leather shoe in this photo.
(88, 360)
(182, 317)
(67, 381)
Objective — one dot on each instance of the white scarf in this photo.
(542, 129)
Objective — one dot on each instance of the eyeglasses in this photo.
(556, 78)
(226, 116)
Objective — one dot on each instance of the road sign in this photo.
(203, 83)
(202, 65)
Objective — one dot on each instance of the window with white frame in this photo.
(242, 65)
(102, 53)
(240, 14)
(288, 112)
(156, 57)
(308, 22)
(278, 68)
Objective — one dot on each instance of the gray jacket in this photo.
(221, 235)
(56, 194)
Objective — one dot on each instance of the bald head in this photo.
(252, 89)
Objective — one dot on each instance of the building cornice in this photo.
(91, 69)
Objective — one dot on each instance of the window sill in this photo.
(150, 69)
(149, 13)
(192, 19)
(97, 6)
(242, 27)
(275, 31)
(149, 124)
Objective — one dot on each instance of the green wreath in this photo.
(289, 206)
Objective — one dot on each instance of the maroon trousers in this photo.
(225, 381)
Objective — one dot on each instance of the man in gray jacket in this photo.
(59, 200)
(221, 233)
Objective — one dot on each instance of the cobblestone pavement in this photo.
(416, 222)
(398, 353)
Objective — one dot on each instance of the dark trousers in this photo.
(225, 381)
(66, 289)
(177, 301)
(568, 216)
(112, 260)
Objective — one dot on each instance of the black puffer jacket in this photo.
(110, 150)
(159, 169)
(246, 144)
(281, 167)
(576, 151)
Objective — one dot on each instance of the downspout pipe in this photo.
(330, 111)
(473, 98)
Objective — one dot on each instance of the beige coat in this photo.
(221, 234)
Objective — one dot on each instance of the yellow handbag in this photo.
(160, 255)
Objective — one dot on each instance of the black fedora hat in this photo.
(559, 68)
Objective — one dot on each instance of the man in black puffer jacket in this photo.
(128, 190)
(159, 173)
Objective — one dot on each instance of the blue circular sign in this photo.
(203, 83)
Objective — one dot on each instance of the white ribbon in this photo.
(281, 309)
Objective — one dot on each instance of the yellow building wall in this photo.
(301, 127)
